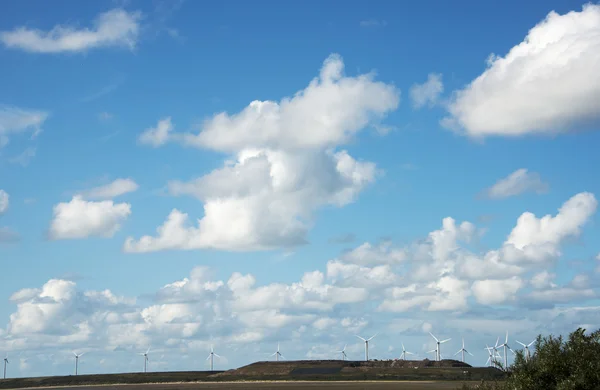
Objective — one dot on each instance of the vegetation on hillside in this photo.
(557, 363)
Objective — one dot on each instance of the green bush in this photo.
(556, 364)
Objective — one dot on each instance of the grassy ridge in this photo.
(308, 370)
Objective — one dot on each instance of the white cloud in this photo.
(116, 27)
(493, 292)
(285, 166)
(14, 120)
(112, 190)
(24, 158)
(427, 93)
(80, 218)
(159, 135)
(543, 84)
(4, 201)
(518, 182)
(537, 239)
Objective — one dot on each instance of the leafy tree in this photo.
(556, 364)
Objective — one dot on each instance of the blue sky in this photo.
(377, 121)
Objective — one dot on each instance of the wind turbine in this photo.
(145, 355)
(277, 354)
(505, 345)
(367, 345)
(527, 354)
(77, 356)
(404, 353)
(5, 363)
(495, 353)
(212, 354)
(491, 361)
(437, 348)
(343, 352)
(463, 350)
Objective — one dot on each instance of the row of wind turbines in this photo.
(494, 355)
(493, 358)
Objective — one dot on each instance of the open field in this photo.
(314, 374)
(287, 385)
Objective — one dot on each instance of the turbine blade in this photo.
(506, 337)
(148, 351)
(208, 357)
(433, 336)
(281, 356)
(372, 337)
(343, 350)
(520, 342)
(470, 353)
(217, 355)
(531, 343)
(360, 337)
(441, 342)
(458, 352)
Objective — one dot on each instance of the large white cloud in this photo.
(285, 166)
(546, 84)
(15, 120)
(80, 218)
(518, 182)
(116, 27)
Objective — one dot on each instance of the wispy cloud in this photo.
(373, 23)
(343, 239)
(115, 28)
(516, 183)
(105, 116)
(24, 158)
(427, 93)
(112, 190)
(104, 90)
(17, 120)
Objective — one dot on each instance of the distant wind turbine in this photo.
(463, 350)
(527, 353)
(367, 345)
(277, 354)
(505, 346)
(493, 355)
(212, 354)
(5, 363)
(343, 352)
(145, 355)
(438, 342)
(77, 356)
(404, 353)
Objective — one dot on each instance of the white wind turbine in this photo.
(505, 346)
(145, 355)
(463, 350)
(527, 354)
(343, 352)
(213, 354)
(367, 345)
(5, 363)
(493, 355)
(277, 354)
(77, 356)
(405, 352)
(437, 348)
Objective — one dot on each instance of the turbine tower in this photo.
(277, 354)
(505, 346)
(77, 356)
(212, 354)
(404, 353)
(367, 345)
(527, 353)
(463, 350)
(145, 355)
(343, 352)
(438, 354)
(5, 363)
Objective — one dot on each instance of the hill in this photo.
(302, 370)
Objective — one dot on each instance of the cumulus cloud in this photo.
(543, 85)
(80, 218)
(117, 28)
(518, 182)
(159, 135)
(112, 190)
(285, 166)
(427, 93)
(14, 120)
(420, 284)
